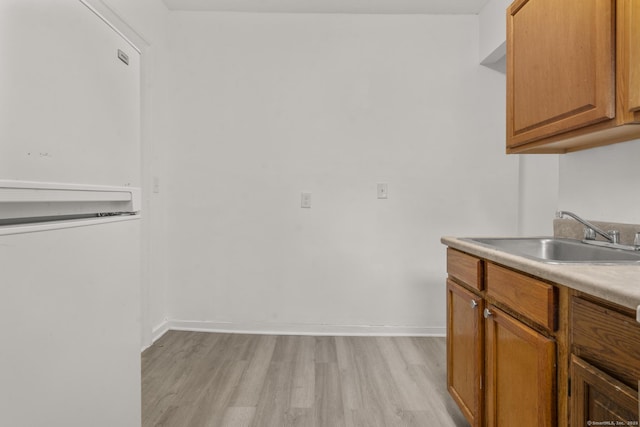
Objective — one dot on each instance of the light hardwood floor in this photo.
(205, 379)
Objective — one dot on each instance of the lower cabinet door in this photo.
(598, 399)
(520, 373)
(464, 351)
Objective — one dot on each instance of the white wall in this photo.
(493, 34)
(333, 104)
(266, 106)
(538, 193)
(602, 183)
(599, 184)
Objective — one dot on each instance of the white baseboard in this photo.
(303, 329)
(156, 334)
(294, 329)
(160, 330)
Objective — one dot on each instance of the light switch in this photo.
(305, 200)
(383, 191)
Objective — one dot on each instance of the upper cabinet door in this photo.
(630, 52)
(560, 67)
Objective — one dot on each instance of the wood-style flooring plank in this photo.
(329, 409)
(304, 374)
(233, 380)
(326, 350)
(409, 393)
(248, 391)
(272, 409)
(379, 392)
(237, 416)
(178, 387)
(210, 406)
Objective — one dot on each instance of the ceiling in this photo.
(436, 7)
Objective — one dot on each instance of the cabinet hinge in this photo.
(569, 387)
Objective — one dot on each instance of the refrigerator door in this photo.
(69, 306)
(69, 105)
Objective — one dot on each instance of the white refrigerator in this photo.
(70, 209)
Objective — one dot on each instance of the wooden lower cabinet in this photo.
(520, 373)
(501, 371)
(524, 352)
(605, 363)
(464, 351)
(599, 399)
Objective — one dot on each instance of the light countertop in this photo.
(619, 284)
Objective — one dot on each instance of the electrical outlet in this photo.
(383, 191)
(305, 200)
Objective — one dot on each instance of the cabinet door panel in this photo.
(599, 399)
(520, 372)
(560, 67)
(464, 351)
(631, 40)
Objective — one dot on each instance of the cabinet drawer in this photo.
(465, 268)
(529, 297)
(607, 339)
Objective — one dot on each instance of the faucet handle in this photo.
(615, 236)
(589, 234)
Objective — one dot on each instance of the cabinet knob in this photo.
(487, 313)
(474, 303)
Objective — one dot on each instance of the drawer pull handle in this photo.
(474, 303)
(487, 313)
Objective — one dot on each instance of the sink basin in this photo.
(559, 251)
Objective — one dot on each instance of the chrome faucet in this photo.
(591, 230)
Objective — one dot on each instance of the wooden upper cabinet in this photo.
(629, 48)
(571, 79)
(562, 67)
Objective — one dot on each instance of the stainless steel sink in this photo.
(559, 251)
